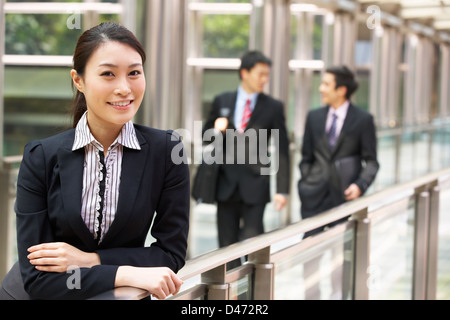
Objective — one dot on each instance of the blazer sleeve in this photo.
(307, 148)
(368, 155)
(212, 115)
(171, 224)
(283, 175)
(226, 101)
(34, 227)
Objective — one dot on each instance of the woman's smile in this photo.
(122, 105)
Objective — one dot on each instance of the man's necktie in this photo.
(332, 136)
(246, 115)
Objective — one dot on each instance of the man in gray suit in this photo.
(339, 152)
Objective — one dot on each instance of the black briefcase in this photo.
(205, 181)
(348, 170)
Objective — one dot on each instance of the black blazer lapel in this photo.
(257, 111)
(323, 141)
(231, 104)
(133, 164)
(350, 117)
(71, 165)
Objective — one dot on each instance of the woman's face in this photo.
(113, 85)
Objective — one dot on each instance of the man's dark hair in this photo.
(344, 78)
(251, 58)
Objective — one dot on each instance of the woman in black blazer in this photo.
(60, 228)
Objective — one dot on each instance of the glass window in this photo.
(361, 96)
(307, 62)
(216, 82)
(225, 36)
(39, 34)
(313, 46)
(36, 105)
(37, 99)
(363, 46)
(363, 64)
(317, 37)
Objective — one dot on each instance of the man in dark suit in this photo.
(246, 119)
(339, 153)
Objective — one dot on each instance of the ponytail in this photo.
(79, 107)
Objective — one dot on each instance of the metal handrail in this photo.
(212, 260)
(373, 204)
(219, 257)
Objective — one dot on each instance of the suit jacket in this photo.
(320, 186)
(254, 187)
(48, 209)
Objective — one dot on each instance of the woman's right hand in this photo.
(160, 282)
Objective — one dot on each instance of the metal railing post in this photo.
(361, 256)
(433, 244)
(421, 234)
(264, 277)
(215, 281)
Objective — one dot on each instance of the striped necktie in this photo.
(332, 134)
(246, 116)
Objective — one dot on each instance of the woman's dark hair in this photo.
(344, 78)
(88, 42)
(251, 58)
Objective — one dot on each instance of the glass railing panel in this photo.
(387, 146)
(391, 251)
(443, 281)
(440, 148)
(322, 271)
(241, 288)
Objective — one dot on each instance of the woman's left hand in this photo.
(59, 256)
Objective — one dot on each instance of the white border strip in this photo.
(62, 7)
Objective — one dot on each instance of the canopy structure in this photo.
(433, 13)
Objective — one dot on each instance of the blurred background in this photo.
(399, 50)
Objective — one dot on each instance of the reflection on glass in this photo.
(391, 253)
(319, 273)
(240, 289)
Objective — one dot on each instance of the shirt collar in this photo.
(243, 96)
(83, 136)
(341, 112)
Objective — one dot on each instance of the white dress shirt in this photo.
(92, 175)
(341, 113)
(241, 100)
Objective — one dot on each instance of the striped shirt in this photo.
(92, 199)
